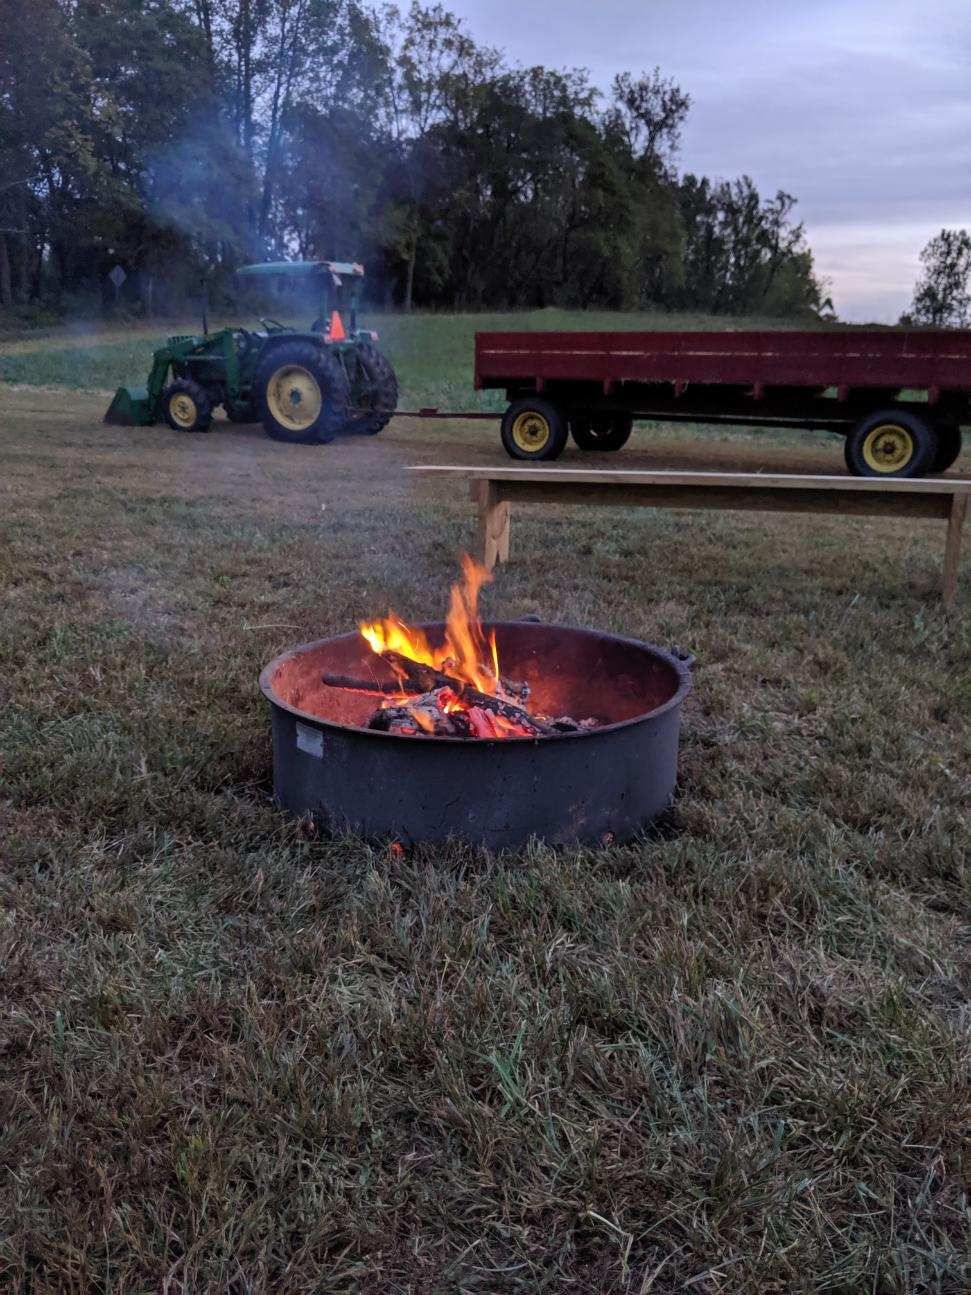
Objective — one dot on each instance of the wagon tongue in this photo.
(455, 689)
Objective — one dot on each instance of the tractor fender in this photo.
(274, 340)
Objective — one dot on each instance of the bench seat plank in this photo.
(496, 488)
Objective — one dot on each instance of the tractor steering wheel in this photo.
(272, 326)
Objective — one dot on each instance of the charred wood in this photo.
(430, 679)
(429, 712)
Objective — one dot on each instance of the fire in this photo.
(462, 679)
(465, 655)
(456, 690)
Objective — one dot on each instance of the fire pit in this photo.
(590, 784)
(494, 733)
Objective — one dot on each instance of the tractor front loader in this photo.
(304, 387)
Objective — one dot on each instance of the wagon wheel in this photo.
(533, 429)
(891, 443)
(948, 446)
(601, 431)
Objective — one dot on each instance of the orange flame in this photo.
(466, 654)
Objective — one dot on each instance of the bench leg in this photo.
(952, 548)
(493, 524)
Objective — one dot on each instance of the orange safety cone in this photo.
(336, 331)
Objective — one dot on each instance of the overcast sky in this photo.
(860, 108)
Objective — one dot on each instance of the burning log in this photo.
(428, 677)
(418, 673)
(433, 709)
(430, 714)
(454, 689)
(371, 687)
(426, 681)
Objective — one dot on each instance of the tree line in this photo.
(182, 138)
(942, 294)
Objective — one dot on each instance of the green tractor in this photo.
(305, 387)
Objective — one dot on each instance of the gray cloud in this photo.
(861, 108)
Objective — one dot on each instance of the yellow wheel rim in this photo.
(888, 448)
(294, 398)
(183, 410)
(530, 431)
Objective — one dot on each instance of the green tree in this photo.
(49, 127)
(942, 296)
(178, 137)
(743, 254)
(429, 60)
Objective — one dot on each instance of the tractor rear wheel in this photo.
(302, 394)
(186, 406)
(375, 407)
(601, 431)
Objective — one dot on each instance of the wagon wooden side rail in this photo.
(496, 489)
(898, 398)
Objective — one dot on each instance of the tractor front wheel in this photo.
(303, 394)
(186, 406)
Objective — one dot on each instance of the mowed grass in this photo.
(731, 1056)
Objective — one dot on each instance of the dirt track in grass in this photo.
(230, 456)
(732, 1057)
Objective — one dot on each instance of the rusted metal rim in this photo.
(682, 667)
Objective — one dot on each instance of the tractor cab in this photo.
(338, 285)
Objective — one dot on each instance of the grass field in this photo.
(432, 353)
(731, 1056)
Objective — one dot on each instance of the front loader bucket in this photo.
(131, 407)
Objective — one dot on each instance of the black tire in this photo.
(314, 407)
(533, 429)
(372, 417)
(241, 411)
(891, 443)
(948, 446)
(186, 406)
(601, 431)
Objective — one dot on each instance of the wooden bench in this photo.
(495, 489)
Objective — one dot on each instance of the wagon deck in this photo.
(899, 397)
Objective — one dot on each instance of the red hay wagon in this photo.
(899, 398)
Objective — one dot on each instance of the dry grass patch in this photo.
(728, 1057)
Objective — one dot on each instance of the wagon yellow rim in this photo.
(294, 398)
(888, 448)
(183, 410)
(531, 431)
